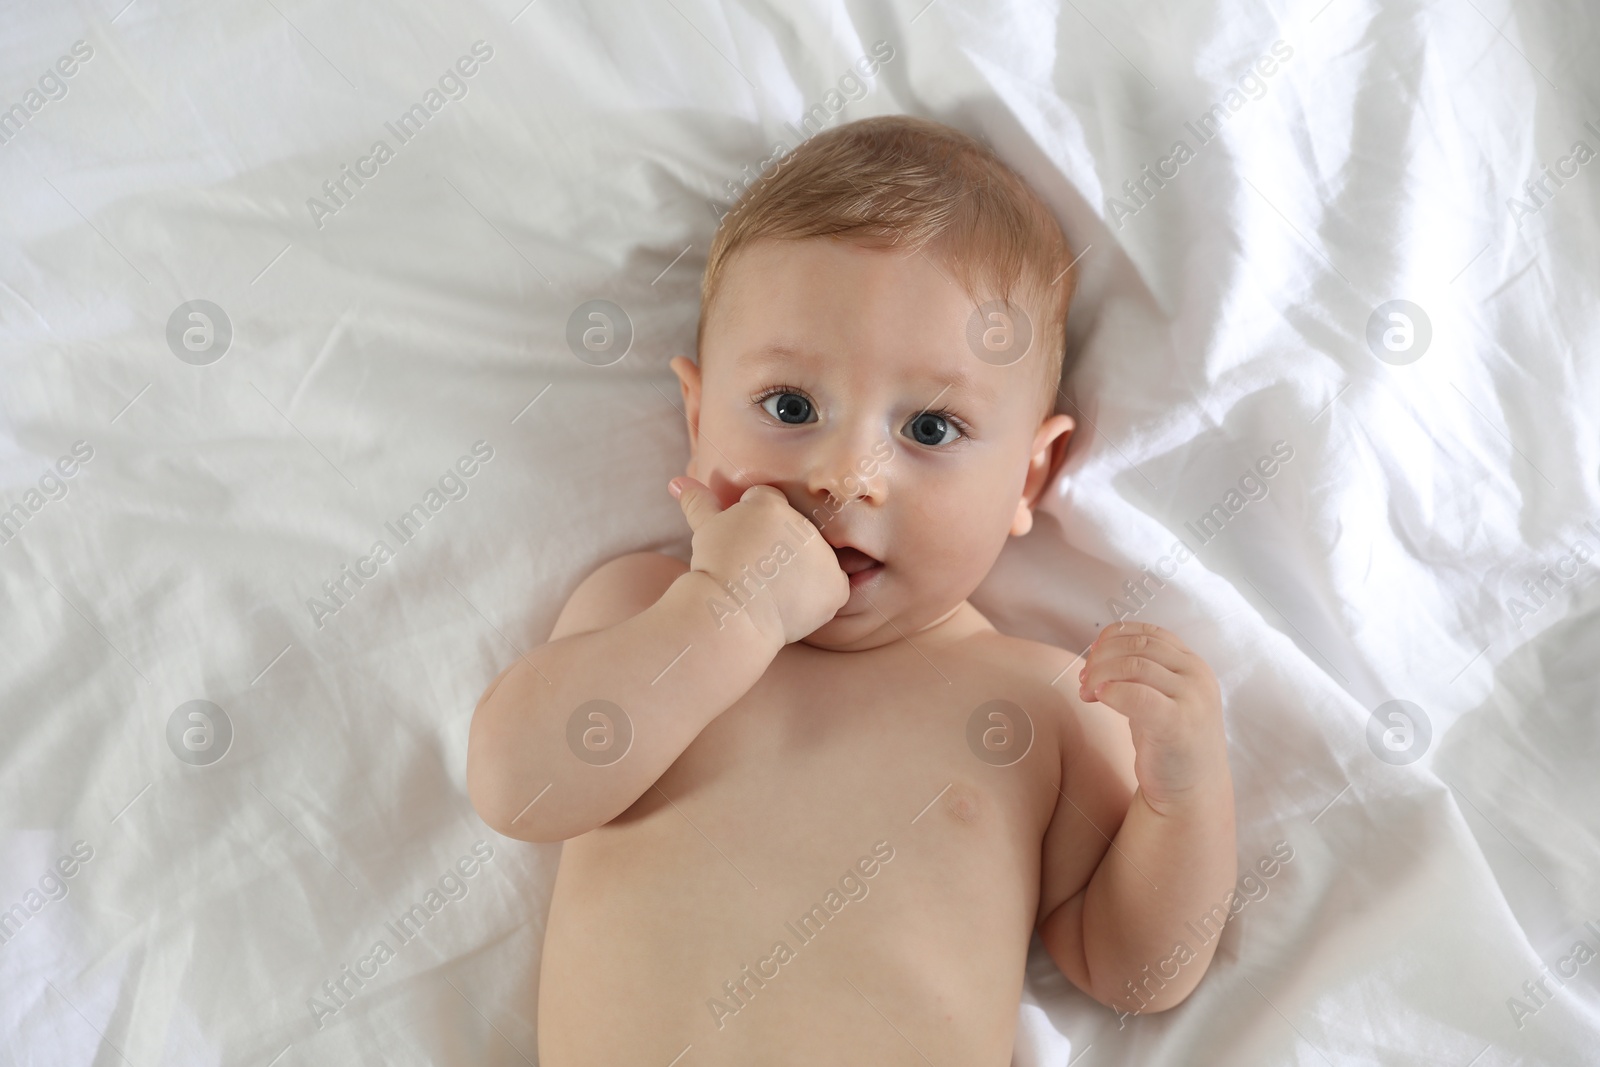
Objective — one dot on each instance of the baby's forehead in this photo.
(813, 304)
(968, 272)
(820, 285)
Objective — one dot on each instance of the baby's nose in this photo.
(848, 474)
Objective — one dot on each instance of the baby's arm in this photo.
(662, 644)
(1142, 842)
(636, 632)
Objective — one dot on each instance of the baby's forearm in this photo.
(1148, 930)
(532, 771)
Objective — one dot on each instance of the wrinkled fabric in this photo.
(241, 723)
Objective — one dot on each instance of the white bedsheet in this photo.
(377, 338)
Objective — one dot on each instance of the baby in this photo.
(814, 804)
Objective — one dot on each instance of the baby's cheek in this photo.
(961, 565)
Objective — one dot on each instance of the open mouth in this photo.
(857, 565)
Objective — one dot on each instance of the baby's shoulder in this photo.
(1047, 674)
(1092, 731)
(1019, 655)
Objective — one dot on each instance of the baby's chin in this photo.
(843, 635)
(856, 627)
(860, 625)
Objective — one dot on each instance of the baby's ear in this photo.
(1044, 464)
(688, 373)
(1054, 434)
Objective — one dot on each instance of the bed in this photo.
(297, 453)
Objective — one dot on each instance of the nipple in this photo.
(962, 801)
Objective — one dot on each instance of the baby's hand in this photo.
(1172, 704)
(782, 549)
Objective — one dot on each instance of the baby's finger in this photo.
(1170, 657)
(699, 503)
(1148, 629)
(1133, 700)
(1102, 672)
(759, 490)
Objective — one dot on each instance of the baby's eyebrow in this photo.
(776, 352)
(938, 383)
(960, 383)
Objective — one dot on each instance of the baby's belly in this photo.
(831, 907)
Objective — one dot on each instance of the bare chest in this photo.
(856, 825)
(830, 752)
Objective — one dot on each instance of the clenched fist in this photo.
(761, 540)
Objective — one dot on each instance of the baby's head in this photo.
(881, 336)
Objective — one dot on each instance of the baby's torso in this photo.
(842, 868)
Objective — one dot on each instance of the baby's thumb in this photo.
(699, 503)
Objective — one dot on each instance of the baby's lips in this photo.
(853, 560)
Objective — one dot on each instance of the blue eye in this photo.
(930, 428)
(792, 408)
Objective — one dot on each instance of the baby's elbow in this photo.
(492, 782)
(496, 804)
(515, 791)
(520, 829)
(484, 789)
(1147, 992)
(1147, 1004)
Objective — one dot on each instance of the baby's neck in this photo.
(961, 621)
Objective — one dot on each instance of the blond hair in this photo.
(911, 183)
